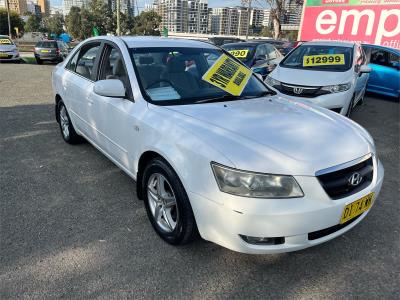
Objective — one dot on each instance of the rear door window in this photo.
(46, 44)
(86, 61)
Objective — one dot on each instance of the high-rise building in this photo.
(44, 7)
(34, 8)
(235, 20)
(18, 6)
(67, 4)
(182, 15)
(292, 12)
(267, 20)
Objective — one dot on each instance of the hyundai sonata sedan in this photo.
(214, 152)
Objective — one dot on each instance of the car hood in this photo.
(310, 78)
(7, 47)
(276, 135)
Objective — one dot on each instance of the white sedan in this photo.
(253, 172)
(330, 74)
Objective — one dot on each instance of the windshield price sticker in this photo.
(228, 75)
(239, 53)
(323, 60)
(5, 41)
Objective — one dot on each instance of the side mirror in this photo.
(110, 88)
(364, 69)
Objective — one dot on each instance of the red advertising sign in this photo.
(365, 21)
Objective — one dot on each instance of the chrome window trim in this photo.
(344, 165)
(300, 86)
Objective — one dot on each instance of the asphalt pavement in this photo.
(72, 227)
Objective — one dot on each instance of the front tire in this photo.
(67, 129)
(167, 204)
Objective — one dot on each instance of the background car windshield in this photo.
(237, 47)
(295, 59)
(170, 76)
(47, 44)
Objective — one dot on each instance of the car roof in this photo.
(331, 43)
(148, 42)
(246, 44)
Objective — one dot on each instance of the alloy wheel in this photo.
(162, 202)
(64, 122)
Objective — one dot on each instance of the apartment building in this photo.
(182, 15)
(234, 20)
(19, 6)
(44, 7)
(292, 12)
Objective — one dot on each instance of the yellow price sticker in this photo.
(5, 41)
(228, 75)
(323, 60)
(239, 53)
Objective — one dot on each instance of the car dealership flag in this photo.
(365, 21)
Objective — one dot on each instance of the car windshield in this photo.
(173, 76)
(5, 41)
(46, 44)
(242, 52)
(320, 58)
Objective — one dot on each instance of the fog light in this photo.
(262, 240)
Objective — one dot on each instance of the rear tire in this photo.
(67, 129)
(39, 61)
(167, 204)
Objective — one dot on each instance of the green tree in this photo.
(33, 24)
(147, 23)
(266, 32)
(15, 21)
(73, 22)
(54, 24)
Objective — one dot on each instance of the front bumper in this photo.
(338, 102)
(48, 57)
(11, 56)
(294, 219)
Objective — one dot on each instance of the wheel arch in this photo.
(144, 159)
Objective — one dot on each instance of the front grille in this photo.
(300, 90)
(327, 231)
(337, 184)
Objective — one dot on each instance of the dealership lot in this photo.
(71, 225)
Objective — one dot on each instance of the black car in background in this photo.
(219, 41)
(284, 47)
(261, 57)
(50, 50)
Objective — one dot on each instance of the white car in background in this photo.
(330, 74)
(254, 173)
(8, 50)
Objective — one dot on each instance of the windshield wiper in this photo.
(232, 97)
(220, 99)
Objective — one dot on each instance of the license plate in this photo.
(356, 208)
(3, 55)
(45, 51)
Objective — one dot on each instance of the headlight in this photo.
(272, 82)
(256, 185)
(337, 88)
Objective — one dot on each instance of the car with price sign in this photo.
(214, 152)
(331, 74)
(8, 50)
(260, 56)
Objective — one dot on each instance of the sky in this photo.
(141, 3)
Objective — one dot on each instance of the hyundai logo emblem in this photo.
(297, 90)
(355, 179)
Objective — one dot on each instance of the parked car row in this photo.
(216, 152)
(46, 50)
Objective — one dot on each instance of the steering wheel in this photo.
(159, 81)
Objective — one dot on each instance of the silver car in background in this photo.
(8, 50)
